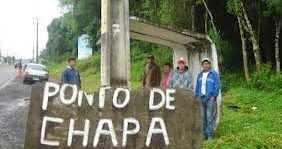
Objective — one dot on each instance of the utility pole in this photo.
(7, 57)
(32, 36)
(36, 40)
(32, 51)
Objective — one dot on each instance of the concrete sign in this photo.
(62, 116)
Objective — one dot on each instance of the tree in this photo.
(237, 8)
(80, 17)
(59, 40)
(193, 18)
(275, 11)
(252, 35)
(249, 28)
(234, 9)
(277, 37)
(244, 50)
(210, 15)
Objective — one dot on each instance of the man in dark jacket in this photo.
(208, 86)
(70, 74)
(152, 74)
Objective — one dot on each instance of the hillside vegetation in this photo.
(252, 113)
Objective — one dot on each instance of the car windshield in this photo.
(37, 67)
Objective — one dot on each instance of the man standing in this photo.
(152, 73)
(208, 86)
(167, 73)
(181, 77)
(70, 74)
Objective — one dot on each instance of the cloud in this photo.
(17, 24)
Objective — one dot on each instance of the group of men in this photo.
(207, 86)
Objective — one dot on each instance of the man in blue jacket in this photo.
(207, 89)
(70, 74)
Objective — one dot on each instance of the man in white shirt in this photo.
(207, 89)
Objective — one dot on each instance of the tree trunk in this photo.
(206, 22)
(210, 14)
(277, 35)
(244, 51)
(259, 21)
(193, 16)
(253, 39)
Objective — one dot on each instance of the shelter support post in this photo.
(115, 49)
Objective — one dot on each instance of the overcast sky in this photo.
(18, 27)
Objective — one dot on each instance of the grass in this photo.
(240, 128)
(248, 128)
(257, 122)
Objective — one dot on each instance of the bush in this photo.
(266, 80)
(92, 63)
(231, 80)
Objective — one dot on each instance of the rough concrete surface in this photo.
(184, 125)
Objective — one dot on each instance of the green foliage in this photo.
(233, 7)
(169, 12)
(92, 63)
(80, 17)
(60, 40)
(274, 7)
(266, 80)
(139, 53)
(243, 126)
(231, 80)
(224, 49)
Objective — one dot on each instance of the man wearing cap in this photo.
(181, 77)
(152, 73)
(207, 88)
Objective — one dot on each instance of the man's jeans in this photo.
(209, 113)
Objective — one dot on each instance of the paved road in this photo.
(6, 74)
(13, 109)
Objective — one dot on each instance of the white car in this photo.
(35, 73)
